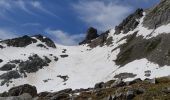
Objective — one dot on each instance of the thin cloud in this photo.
(65, 38)
(7, 6)
(4, 34)
(39, 6)
(100, 14)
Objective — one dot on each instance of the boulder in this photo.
(26, 88)
(99, 85)
(130, 95)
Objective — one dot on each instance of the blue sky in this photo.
(65, 21)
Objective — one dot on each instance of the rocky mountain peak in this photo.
(90, 35)
(27, 40)
(130, 22)
(158, 15)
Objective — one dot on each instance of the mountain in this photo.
(135, 50)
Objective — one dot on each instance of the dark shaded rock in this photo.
(42, 46)
(130, 23)
(46, 80)
(69, 90)
(166, 90)
(24, 96)
(109, 83)
(43, 94)
(64, 50)
(152, 81)
(158, 15)
(90, 35)
(15, 61)
(147, 73)
(1, 60)
(55, 58)
(10, 75)
(139, 91)
(33, 64)
(1, 47)
(46, 40)
(7, 67)
(125, 75)
(130, 95)
(118, 83)
(65, 77)
(16, 91)
(101, 40)
(19, 42)
(134, 81)
(155, 49)
(61, 96)
(4, 94)
(99, 85)
(63, 56)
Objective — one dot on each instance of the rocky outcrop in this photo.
(24, 96)
(46, 40)
(19, 42)
(130, 23)
(90, 35)
(18, 68)
(158, 15)
(19, 90)
(101, 91)
(97, 40)
(33, 64)
(155, 49)
(10, 75)
(27, 40)
(7, 67)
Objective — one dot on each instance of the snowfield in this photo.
(84, 66)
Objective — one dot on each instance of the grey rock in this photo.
(152, 81)
(118, 83)
(19, 42)
(134, 81)
(158, 15)
(7, 67)
(33, 64)
(63, 56)
(61, 96)
(90, 35)
(125, 75)
(24, 96)
(1, 60)
(46, 40)
(99, 85)
(130, 23)
(26, 88)
(130, 95)
(10, 75)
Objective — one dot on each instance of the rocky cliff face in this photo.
(159, 15)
